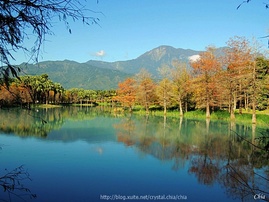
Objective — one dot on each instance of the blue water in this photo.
(83, 161)
(80, 171)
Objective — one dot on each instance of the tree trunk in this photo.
(180, 108)
(207, 110)
(164, 107)
(240, 98)
(54, 97)
(232, 115)
(234, 101)
(254, 95)
(246, 101)
(254, 120)
(186, 106)
(47, 98)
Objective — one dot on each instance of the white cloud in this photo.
(100, 53)
(194, 58)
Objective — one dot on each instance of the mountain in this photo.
(77, 75)
(151, 60)
(106, 75)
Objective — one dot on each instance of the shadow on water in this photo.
(233, 156)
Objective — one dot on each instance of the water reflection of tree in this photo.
(207, 160)
(152, 135)
(216, 154)
(125, 131)
(40, 121)
(34, 123)
(246, 175)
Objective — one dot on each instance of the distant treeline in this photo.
(41, 90)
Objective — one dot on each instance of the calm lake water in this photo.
(90, 154)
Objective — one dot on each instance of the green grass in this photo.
(220, 115)
(197, 114)
(104, 103)
(244, 118)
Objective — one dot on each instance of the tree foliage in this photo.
(145, 89)
(126, 94)
(180, 85)
(204, 82)
(164, 93)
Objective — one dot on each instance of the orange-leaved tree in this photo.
(237, 59)
(126, 93)
(204, 83)
(145, 95)
(164, 93)
(180, 83)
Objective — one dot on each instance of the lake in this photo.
(92, 154)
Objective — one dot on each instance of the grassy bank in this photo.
(245, 118)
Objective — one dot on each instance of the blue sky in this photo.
(129, 28)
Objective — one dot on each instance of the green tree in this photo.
(258, 84)
(39, 87)
(90, 95)
(262, 72)
(57, 89)
(45, 87)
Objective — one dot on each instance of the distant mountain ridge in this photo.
(99, 75)
(71, 74)
(151, 60)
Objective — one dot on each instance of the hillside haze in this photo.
(99, 75)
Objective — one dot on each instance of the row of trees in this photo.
(82, 96)
(40, 89)
(31, 89)
(236, 79)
